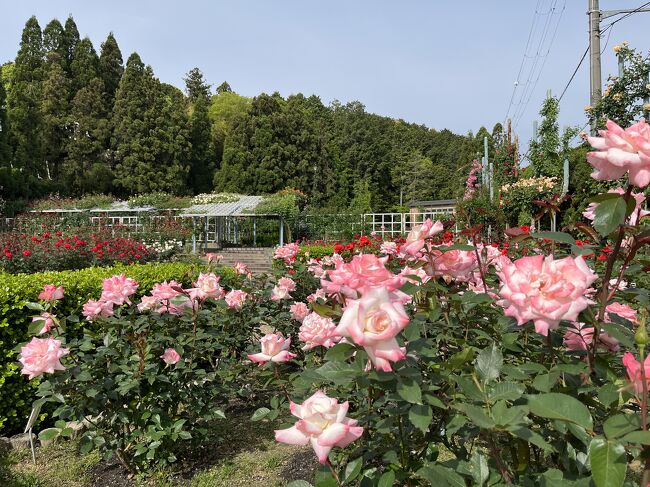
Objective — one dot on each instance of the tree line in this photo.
(75, 121)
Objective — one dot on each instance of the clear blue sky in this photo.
(444, 64)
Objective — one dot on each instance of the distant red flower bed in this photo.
(56, 251)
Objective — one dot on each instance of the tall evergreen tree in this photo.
(5, 151)
(24, 99)
(54, 44)
(149, 133)
(195, 85)
(202, 153)
(224, 88)
(86, 169)
(111, 67)
(85, 64)
(54, 108)
(71, 40)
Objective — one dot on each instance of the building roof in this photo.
(233, 208)
(431, 203)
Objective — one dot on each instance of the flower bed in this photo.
(436, 360)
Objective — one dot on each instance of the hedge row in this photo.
(16, 392)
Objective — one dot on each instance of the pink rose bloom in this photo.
(621, 151)
(622, 285)
(51, 292)
(633, 368)
(170, 357)
(92, 309)
(117, 289)
(636, 215)
(316, 268)
(578, 337)
(241, 268)
(212, 257)
(278, 293)
(373, 322)
(323, 423)
(42, 355)
(362, 273)
(207, 286)
(287, 283)
(319, 294)
(419, 272)
(544, 290)
(417, 236)
(452, 264)
(165, 291)
(287, 253)
(388, 248)
(48, 322)
(317, 330)
(299, 311)
(148, 303)
(275, 348)
(235, 299)
(622, 310)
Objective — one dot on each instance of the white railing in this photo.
(394, 224)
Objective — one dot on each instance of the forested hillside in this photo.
(75, 120)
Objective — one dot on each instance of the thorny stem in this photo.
(401, 442)
(644, 415)
(276, 373)
(480, 267)
(496, 454)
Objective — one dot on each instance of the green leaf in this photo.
(479, 468)
(440, 476)
(35, 306)
(420, 415)
(299, 483)
(506, 391)
(260, 414)
(608, 462)
(409, 390)
(621, 424)
(352, 469)
(325, 311)
(340, 352)
(531, 436)
(642, 437)
(476, 415)
(48, 434)
(560, 406)
(489, 363)
(555, 236)
(339, 373)
(387, 479)
(35, 327)
(609, 214)
(459, 359)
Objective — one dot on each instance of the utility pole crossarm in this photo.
(605, 14)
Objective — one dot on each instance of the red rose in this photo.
(26, 253)
(67, 246)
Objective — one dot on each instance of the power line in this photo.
(575, 71)
(608, 26)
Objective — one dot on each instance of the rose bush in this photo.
(443, 361)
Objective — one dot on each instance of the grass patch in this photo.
(238, 453)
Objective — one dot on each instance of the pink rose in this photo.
(578, 337)
(452, 264)
(299, 311)
(235, 299)
(317, 330)
(212, 257)
(275, 348)
(48, 322)
(92, 309)
(621, 151)
(545, 290)
(278, 293)
(362, 273)
(241, 268)
(51, 292)
(287, 283)
(42, 355)
(117, 289)
(633, 369)
(388, 248)
(170, 356)
(148, 303)
(165, 291)
(622, 310)
(207, 286)
(373, 322)
(637, 214)
(287, 252)
(323, 423)
(417, 236)
(319, 294)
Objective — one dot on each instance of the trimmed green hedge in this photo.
(16, 392)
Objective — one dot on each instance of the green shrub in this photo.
(16, 393)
